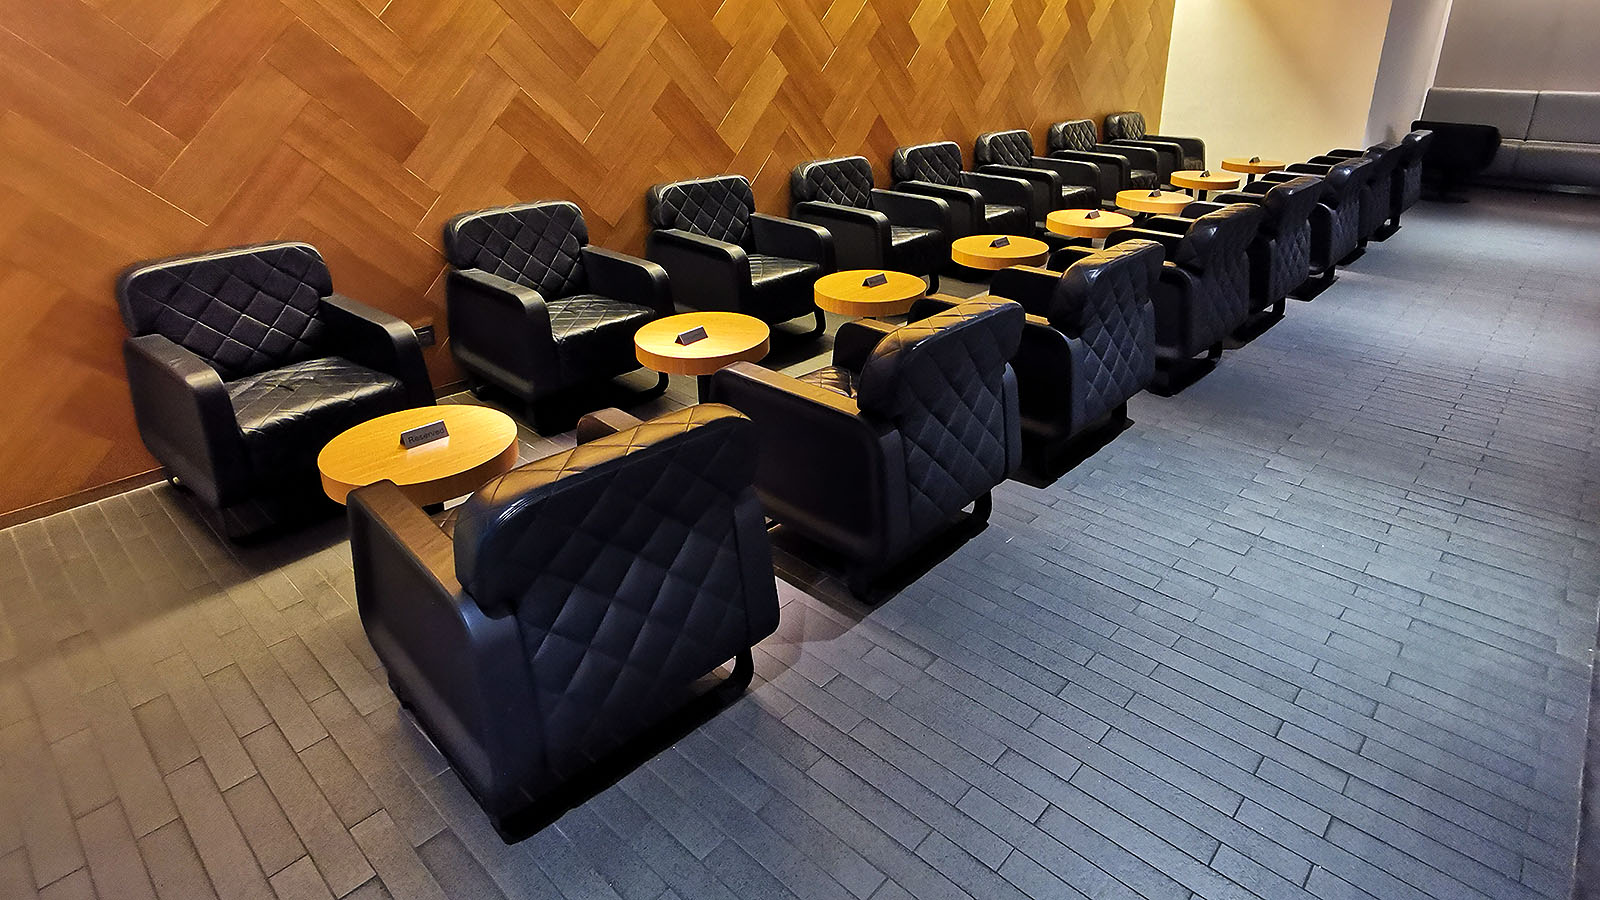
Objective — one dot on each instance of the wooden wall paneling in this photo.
(140, 128)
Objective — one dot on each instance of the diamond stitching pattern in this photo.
(243, 311)
(537, 245)
(1077, 134)
(1129, 125)
(1114, 351)
(846, 181)
(1005, 148)
(718, 208)
(936, 163)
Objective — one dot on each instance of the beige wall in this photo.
(1405, 71)
(1270, 78)
(1544, 45)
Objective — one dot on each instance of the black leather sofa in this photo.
(243, 363)
(720, 254)
(1280, 255)
(569, 605)
(1088, 343)
(979, 203)
(535, 310)
(1203, 293)
(1336, 220)
(872, 228)
(1122, 166)
(1181, 152)
(874, 454)
(1057, 183)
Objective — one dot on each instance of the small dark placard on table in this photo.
(1255, 159)
(1205, 173)
(875, 280)
(1092, 214)
(412, 438)
(1000, 242)
(1156, 192)
(697, 333)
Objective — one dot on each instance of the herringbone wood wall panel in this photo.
(139, 128)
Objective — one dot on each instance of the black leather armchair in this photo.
(872, 228)
(1057, 183)
(1087, 346)
(243, 364)
(1377, 204)
(1335, 223)
(1181, 152)
(1203, 293)
(535, 310)
(569, 605)
(1457, 153)
(1409, 178)
(870, 456)
(723, 255)
(979, 203)
(1280, 255)
(1122, 166)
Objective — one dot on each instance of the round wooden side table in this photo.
(1196, 180)
(482, 445)
(730, 338)
(847, 294)
(1076, 223)
(1251, 166)
(977, 251)
(1163, 203)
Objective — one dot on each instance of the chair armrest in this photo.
(1326, 159)
(1071, 171)
(1028, 285)
(380, 341)
(777, 236)
(1169, 155)
(1063, 258)
(1220, 200)
(1045, 186)
(186, 418)
(966, 204)
(703, 273)
(823, 466)
(627, 278)
(931, 305)
(458, 667)
(1268, 179)
(854, 340)
(604, 423)
(1175, 314)
(1192, 146)
(1168, 241)
(999, 189)
(1114, 170)
(500, 329)
(915, 210)
(1311, 168)
(1137, 157)
(1169, 224)
(1345, 153)
(860, 236)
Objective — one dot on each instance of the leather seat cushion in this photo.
(289, 413)
(914, 250)
(594, 334)
(766, 269)
(840, 381)
(1077, 196)
(1194, 162)
(1004, 219)
(1143, 178)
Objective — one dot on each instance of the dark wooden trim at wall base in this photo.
(71, 501)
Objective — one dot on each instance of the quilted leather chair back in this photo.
(1103, 304)
(1345, 181)
(846, 181)
(1289, 204)
(244, 310)
(1078, 134)
(536, 245)
(633, 564)
(941, 382)
(1216, 239)
(1416, 145)
(718, 208)
(1004, 148)
(1125, 125)
(936, 163)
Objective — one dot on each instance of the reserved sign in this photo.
(412, 438)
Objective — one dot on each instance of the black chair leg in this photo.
(1215, 352)
(982, 508)
(933, 282)
(1311, 287)
(821, 324)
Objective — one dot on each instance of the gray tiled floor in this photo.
(1318, 626)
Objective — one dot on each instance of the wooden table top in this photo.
(1196, 180)
(976, 251)
(482, 444)
(1165, 203)
(1076, 222)
(1259, 167)
(844, 293)
(730, 337)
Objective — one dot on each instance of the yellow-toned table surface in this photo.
(730, 338)
(1259, 167)
(1194, 181)
(844, 293)
(1076, 223)
(1164, 203)
(482, 444)
(976, 251)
